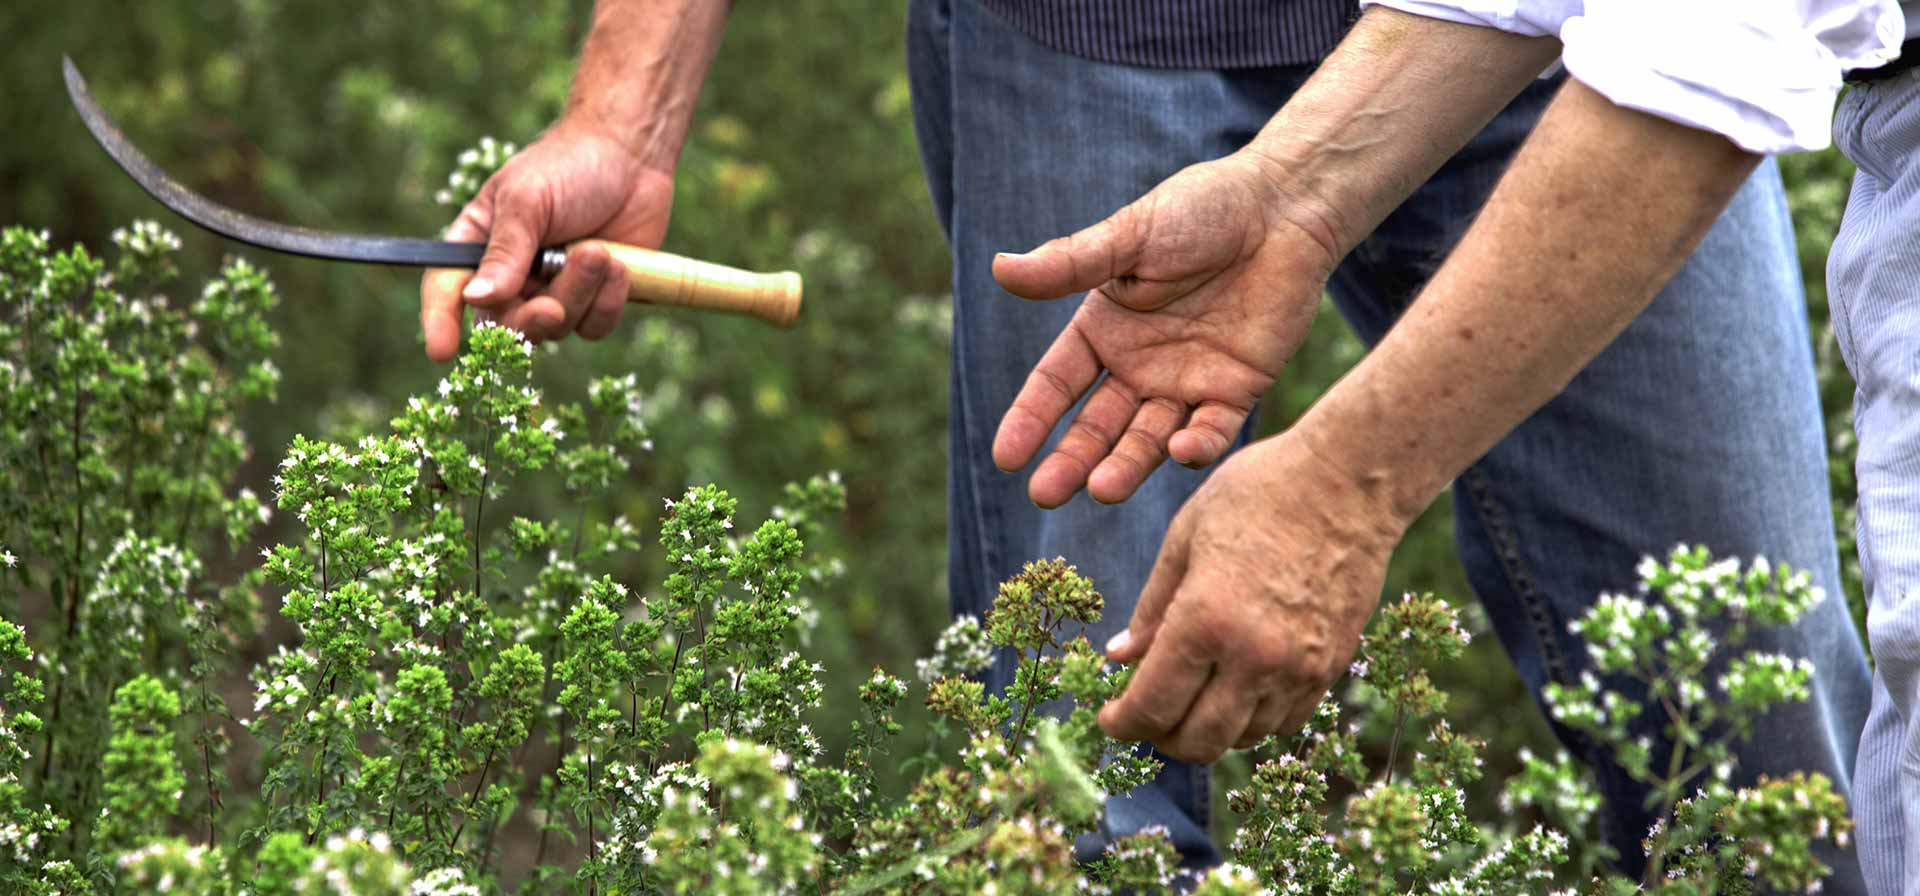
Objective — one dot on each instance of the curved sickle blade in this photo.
(251, 230)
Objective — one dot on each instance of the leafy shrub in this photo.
(114, 462)
(1715, 837)
(462, 681)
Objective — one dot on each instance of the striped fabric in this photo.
(1871, 275)
(1212, 34)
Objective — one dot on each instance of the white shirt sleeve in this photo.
(1533, 18)
(1762, 73)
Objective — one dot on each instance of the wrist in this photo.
(647, 145)
(641, 71)
(1347, 460)
(1400, 95)
(1299, 199)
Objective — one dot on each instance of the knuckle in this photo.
(1218, 642)
(1212, 440)
(613, 302)
(1212, 632)
(521, 211)
(1138, 448)
(1074, 464)
(591, 260)
(1087, 441)
(472, 220)
(599, 323)
(1155, 718)
(577, 297)
(500, 251)
(1136, 219)
(1089, 433)
(1074, 248)
(1316, 666)
(1156, 722)
(1053, 382)
(1193, 641)
(1270, 657)
(512, 193)
(1164, 407)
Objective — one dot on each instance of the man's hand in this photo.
(1256, 605)
(1270, 571)
(574, 183)
(605, 171)
(1201, 291)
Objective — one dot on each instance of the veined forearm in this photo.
(641, 70)
(1600, 208)
(1400, 95)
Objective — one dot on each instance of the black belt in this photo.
(1909, 58)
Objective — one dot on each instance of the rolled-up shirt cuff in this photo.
(1538, 19)
(1766, 92)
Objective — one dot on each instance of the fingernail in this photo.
(1119, 642)
(478, 288)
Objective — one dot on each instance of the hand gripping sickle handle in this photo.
(662, 278)
(654, 278)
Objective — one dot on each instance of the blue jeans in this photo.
(1700, 424)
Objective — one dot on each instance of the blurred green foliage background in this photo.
(349, 116)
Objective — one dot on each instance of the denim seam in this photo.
(1507, 547)
(987, 515)
(1203, 797)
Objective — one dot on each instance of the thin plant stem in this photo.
(593, 844)
(478, 785)
(399, 778)
(1399, 727)
(480, 502)
(73, 574)
(546, 813)
(1670, 790)
(1026, 706)
(193, 473)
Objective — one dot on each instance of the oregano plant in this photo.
(473, 698)
(117, 463)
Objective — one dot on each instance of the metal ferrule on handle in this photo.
(662, 278)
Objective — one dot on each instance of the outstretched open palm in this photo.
(1200, 292)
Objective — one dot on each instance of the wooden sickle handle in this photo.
(662, 278)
